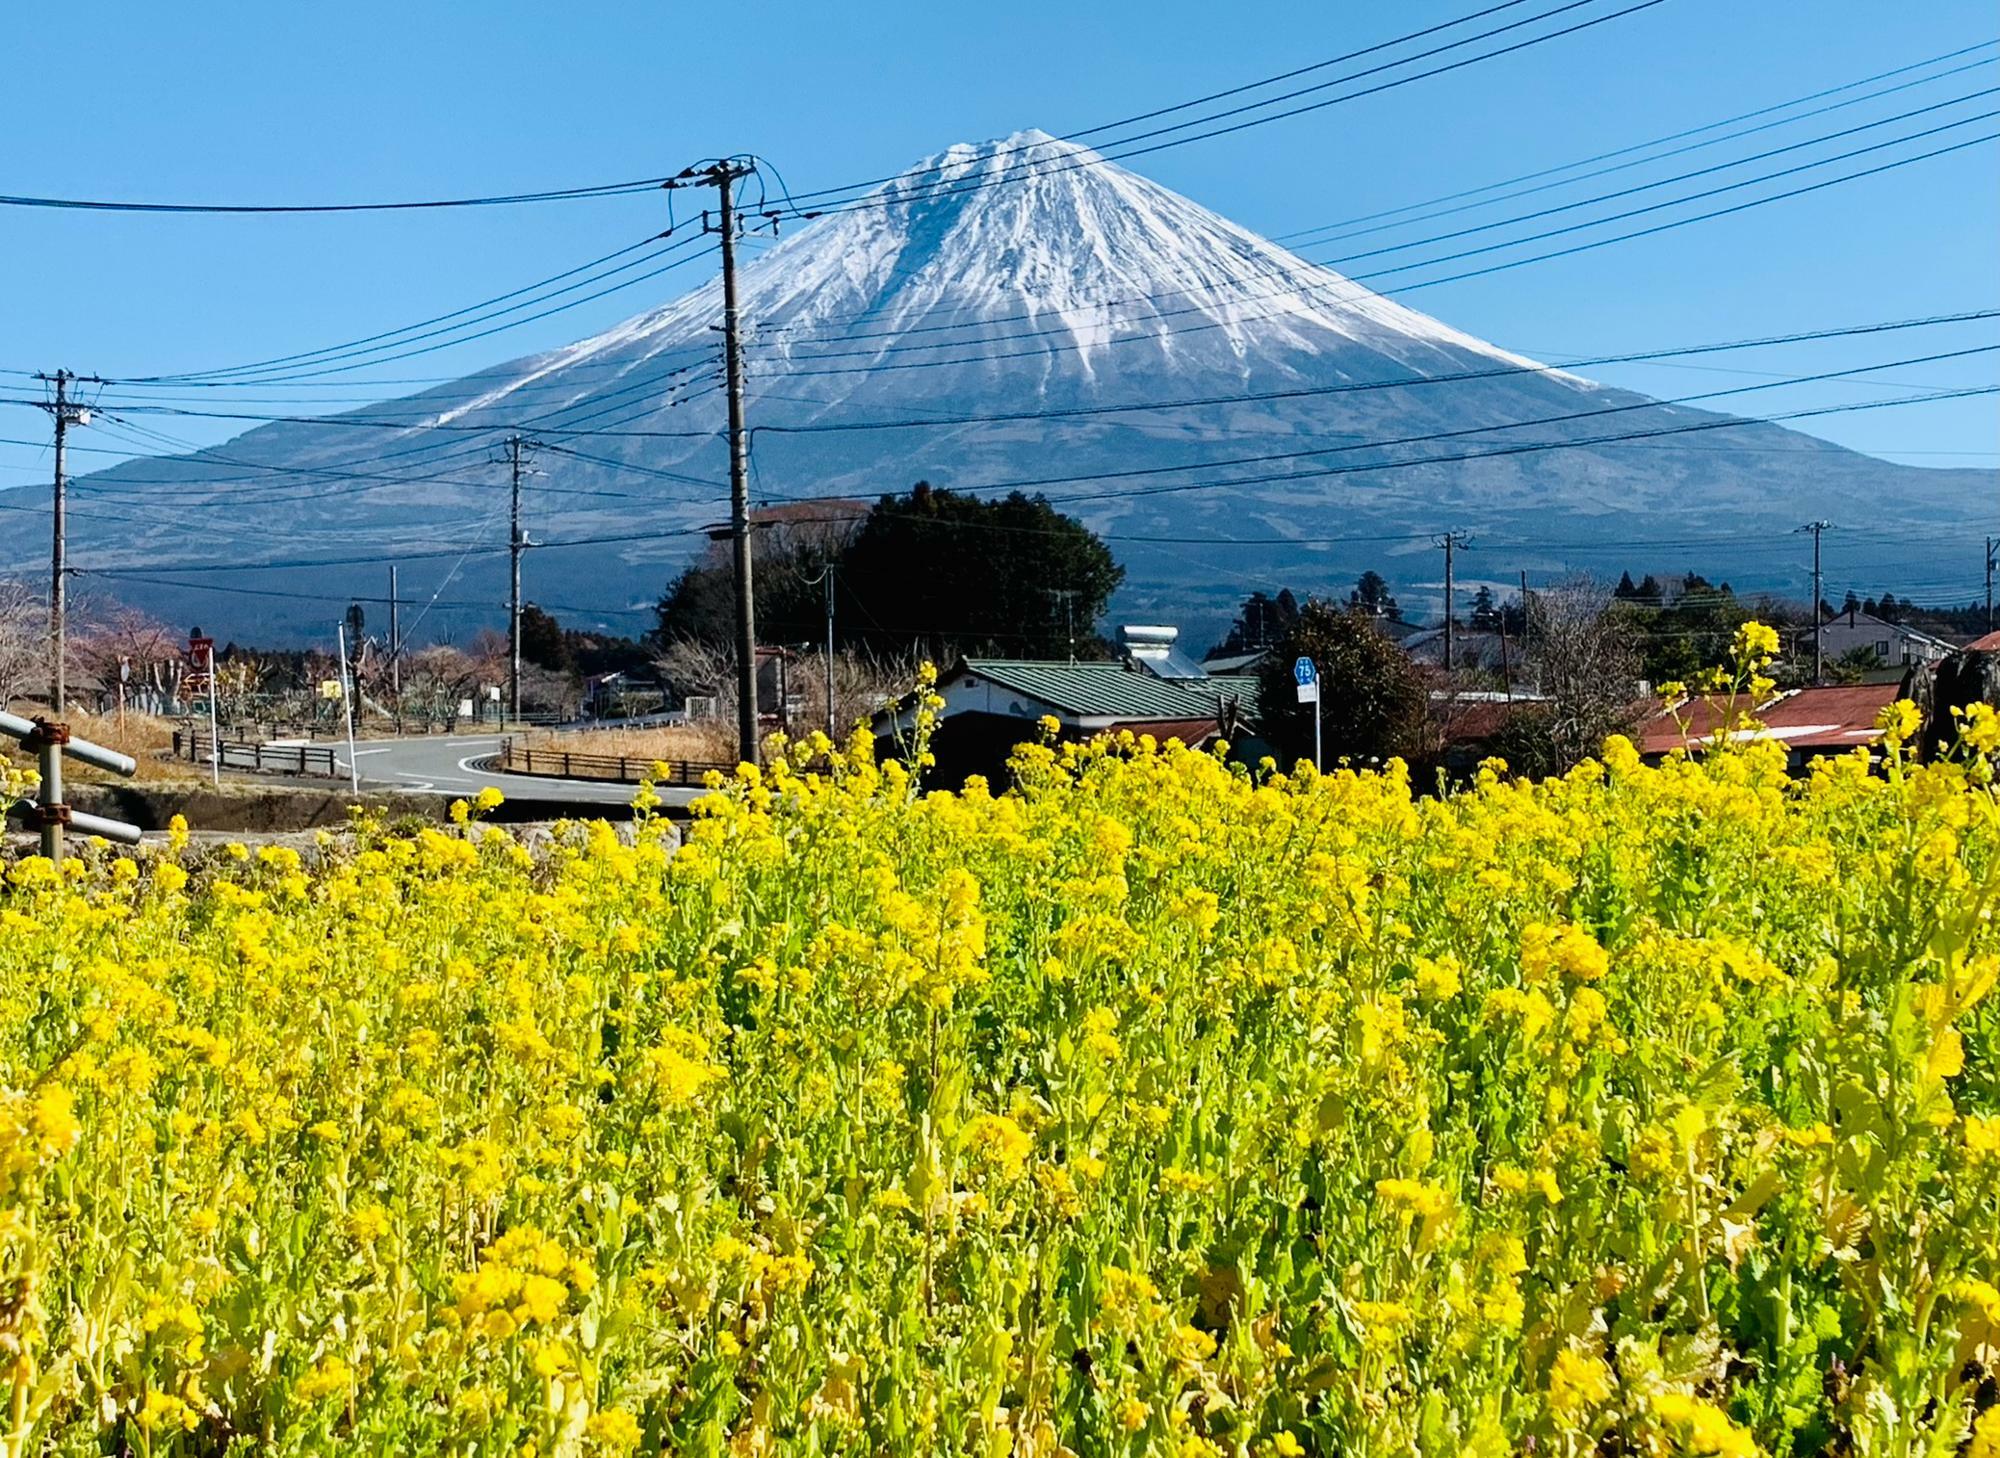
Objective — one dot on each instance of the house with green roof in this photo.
(993, 704)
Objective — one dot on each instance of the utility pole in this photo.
(395, 643)
(1816, 527)
(65, 415)
(830, 730)
(1451, 542)
(515, 542)
(722, 175)
(1992, 562)
(1527, 658)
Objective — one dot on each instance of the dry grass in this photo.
(147, 738)
(707, 743)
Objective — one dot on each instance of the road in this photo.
(448, 766)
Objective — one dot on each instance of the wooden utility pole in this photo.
(515, 542)
(1451, 542)
(65, 415)
(1819, 594)
(1992, 561)
(395, 642)
(723, 175)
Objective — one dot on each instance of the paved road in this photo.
(447, 766)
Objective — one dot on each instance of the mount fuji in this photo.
(1026, 279)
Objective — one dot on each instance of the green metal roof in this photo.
(1111, 690)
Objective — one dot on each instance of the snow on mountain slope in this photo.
(1026, 275)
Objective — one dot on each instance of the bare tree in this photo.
(23, 639)
(121, 643)
(1588, 666)
(437, 680)
(862, 683)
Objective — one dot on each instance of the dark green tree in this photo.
(787, 556)
(1372, 700)
(937, 572)
(542, 641)
(1371, 592)
(1262, 621)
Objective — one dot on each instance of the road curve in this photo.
(449, 765)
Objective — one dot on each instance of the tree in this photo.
(1587, 664)
(1262, 621)
(23, 640)
(788, 551)
(115, 638)
(543, 642)
(937, 572)
(1372, 700)
(1371, 593)
(1485, 611)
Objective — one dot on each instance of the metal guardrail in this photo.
(630, 769)
(258, 757)
(51, 741)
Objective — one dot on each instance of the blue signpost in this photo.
(1306, 674)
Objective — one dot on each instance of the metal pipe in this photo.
(54, 812)
(83, 749)
(84, 823)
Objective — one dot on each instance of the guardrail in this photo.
(240, 754)
(51, 742)
(570, 764)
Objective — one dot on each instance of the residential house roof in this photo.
(1990, 643)
(1857, 621)
(1826, 718)
(1112, 690)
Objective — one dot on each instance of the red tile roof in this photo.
(1810, 718)
(1988, 644)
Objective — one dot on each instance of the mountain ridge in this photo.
(1077, 285)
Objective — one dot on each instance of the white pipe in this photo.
(83, 749)
(347, 702)
(214, 733)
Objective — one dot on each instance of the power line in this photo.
(193, 376)
(1333, 282)
(1300, 234)
(1359, 386)
(1028, 171)
(563, 194)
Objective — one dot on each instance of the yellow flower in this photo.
(329, 1376)
(997, 1142)
(613, 1430)
(1756, 644)
(1702, 1427)
(1577, 1383)
(1898, 721)
(1985, 1435)
(1412, 1197)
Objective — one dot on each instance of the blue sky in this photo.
(366, 101)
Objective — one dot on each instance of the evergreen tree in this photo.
(937, 572)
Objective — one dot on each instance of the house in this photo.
(993, 704)
(1891, 644)
(1809, 722)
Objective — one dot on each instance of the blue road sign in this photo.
(1305, 671)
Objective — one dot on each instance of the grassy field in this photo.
(1151, 1107)
(708, 743)
(148, 739)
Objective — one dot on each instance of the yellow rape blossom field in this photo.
(1153, 1106)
